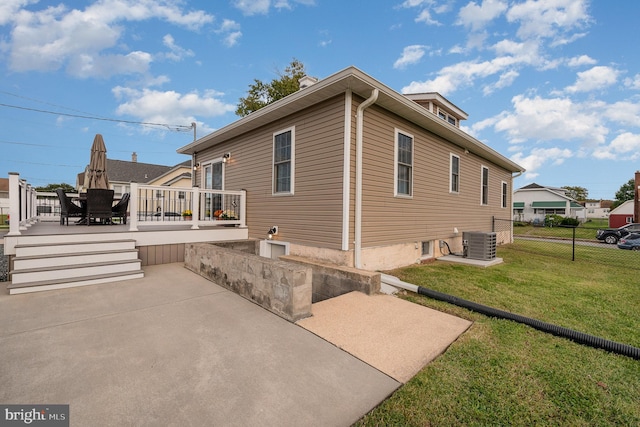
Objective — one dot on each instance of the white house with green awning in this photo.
(533, 202)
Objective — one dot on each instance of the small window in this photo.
(484, 191)
(283, 166)
(404, 164)
(505, 189)
(427, 249)
(451, 120)
(455, 174)
(442, 115)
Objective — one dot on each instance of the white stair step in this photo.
(72, 271)
(71, 283)
(73, 248)
(53, 260)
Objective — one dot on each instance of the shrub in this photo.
(570, 222)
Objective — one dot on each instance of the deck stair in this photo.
(57, 265)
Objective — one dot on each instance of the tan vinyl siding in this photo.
(432, 212)
(313, 215)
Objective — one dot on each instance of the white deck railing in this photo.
(149, 205)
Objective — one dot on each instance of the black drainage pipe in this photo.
(559, 331)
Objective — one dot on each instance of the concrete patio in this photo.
(173, 348)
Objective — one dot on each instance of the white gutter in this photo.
(346, 170)
(358, 220)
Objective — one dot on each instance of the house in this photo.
(4, 199)
(122, 173)
(597, 209)
(621, 215)
(351, 172)
(533, 202)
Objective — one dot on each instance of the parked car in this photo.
(630, 241)
(612, 235)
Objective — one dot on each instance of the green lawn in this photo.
(586, 231)
(503, 373)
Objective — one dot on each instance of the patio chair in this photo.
(99, 202)
(120, 209)
(68, 208)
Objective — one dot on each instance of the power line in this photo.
(177, 128)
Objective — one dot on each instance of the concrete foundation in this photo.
(330, 281)
(283, 288)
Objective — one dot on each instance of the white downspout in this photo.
(358, 219)
(346, 171)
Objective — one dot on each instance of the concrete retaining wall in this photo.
(330, 281)
(281, 287)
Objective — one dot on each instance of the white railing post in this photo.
(14, 204)
(195, 210)
(243, 208)
(133, 207)
(23, 204)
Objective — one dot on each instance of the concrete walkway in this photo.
(174, 349)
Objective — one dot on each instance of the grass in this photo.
(586, 231)
(503, 373)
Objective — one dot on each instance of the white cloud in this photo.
(105, 66)
(463, 74)
(55, 37)
(625, 145)
(538, 157)
(633, 83)
(577, 61)
(622, 112)
(548, 19)
(596, 78)
(176, 53)
(549, 119)
(425, 16)
(410, 55)
(231, 31)
(477, 16)
(9, 8)
(170, 107)
(505, 80)
(262, 7)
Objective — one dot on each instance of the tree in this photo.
(576, 192)
(626, 192)
(261, 94)
(53, 187)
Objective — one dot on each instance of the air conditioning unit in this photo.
(479, 245)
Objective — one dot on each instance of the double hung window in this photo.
(283, 162)
(404, 164)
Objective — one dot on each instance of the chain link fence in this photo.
(568, 242)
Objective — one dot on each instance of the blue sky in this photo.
(552, 84)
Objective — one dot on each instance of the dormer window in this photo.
(451, 120)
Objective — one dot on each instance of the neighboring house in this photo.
(597, 209)
(351, 172)
(4, 199)
(533, 202)
(122, 173)
(621, 215)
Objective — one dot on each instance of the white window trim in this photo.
(482, 168)
(395, 163)
(291, 191)
(451, 156)
(504, 195)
